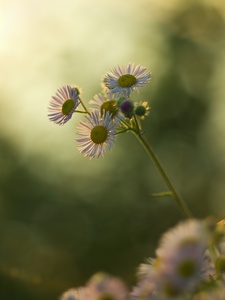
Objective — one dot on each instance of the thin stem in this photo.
(180, 202)
(137, 125)
(85, 108)
(81, 112)
(121, 131)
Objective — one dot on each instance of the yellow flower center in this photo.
(99, 134)
(127, 80)
(67, 107)
(110, 106)
(187, 268)
(170, 290)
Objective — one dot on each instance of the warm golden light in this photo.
(53, 201)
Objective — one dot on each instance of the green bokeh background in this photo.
(63, 217)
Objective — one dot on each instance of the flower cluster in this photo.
(190, 260)
(189, 264)
(112, 111)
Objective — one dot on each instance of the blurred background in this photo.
(63, 217)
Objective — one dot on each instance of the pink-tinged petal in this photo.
(63, 94)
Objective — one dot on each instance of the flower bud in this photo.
(140, 110)
(127, 108)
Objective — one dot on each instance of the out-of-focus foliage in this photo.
(64, 217)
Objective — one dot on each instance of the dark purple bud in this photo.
(127, 108)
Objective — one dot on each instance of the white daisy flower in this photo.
(103, 286)
(208, 271)
(191, 230)
(63, 104)
(103, 104)
(181, 257)
(146, 269)
(74, 294)
(123, 80)
(144, 290)
(96, 134)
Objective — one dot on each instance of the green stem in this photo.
(81, 112)
(180, 202)
(84, 107)
(137, 125)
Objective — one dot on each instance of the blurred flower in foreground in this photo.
(145, 290)
(180, 265)
(75, 294)
(102, 286)
(95, 134)
(184, 269)
(181, 257)
(63, 104)
(215, 294)
(123, 80)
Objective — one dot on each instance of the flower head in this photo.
(103, 104)
(142, 109)
(75, 294)
(191, 230)
(145, 290)
(63, 104)
(123, 80)
(105, 287)
(146, 269)
(181, 257)
(127, 108)
(97, 133)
